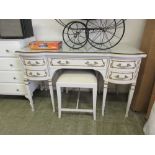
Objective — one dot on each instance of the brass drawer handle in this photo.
(38, 73)
(63, 63)
(120, 65)
(91, 64)
(37, 62)
(121, 78)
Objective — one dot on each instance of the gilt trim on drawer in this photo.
(123, 67)
(37, 71)
(79, 62)
(36, 64)
(120, 78)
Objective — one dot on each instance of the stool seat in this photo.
(77, 78)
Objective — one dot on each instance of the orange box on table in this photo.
(45, 45)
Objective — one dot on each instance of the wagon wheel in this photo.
(105, 33)
(64, 22)
(75, 34)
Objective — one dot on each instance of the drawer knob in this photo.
(17, 89)
(14, 78)
(11, 65)
(7, 51)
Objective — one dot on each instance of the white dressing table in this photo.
(120, 65)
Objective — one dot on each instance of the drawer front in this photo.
(12, 89)
(123, 64)
(78, 62)
(121, 76)
(12, 76)
(34, 62)
(38, 73)
(7, 52)
(10, 64)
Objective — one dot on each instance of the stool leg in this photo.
(94, 102)
(66, 90)
(59, 101)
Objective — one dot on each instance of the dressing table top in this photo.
(122, 49)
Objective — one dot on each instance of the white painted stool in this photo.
(77, 79)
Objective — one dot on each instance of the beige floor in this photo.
(16, 117)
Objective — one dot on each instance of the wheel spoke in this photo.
(101, 22)
(93, 24)
(106, 23)
(103, 37)
(110, 23)
(119, 22)
(69, 33)
(94, 38)
(114, 34)
(108, 39)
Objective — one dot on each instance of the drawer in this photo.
(123, 64)
(78, 62)
(38, 73)
(121, 76)
(12, 89)
(34, 62)
(7, 53)
(12, 76)
(10, 64)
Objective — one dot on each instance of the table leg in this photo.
(29, 94)
(94, 102)
(131, 92)
(51, 94)
(104, 96)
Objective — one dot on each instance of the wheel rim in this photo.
(112, 34)
(75, 35)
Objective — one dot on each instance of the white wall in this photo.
(134, 31)
(49, 29)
